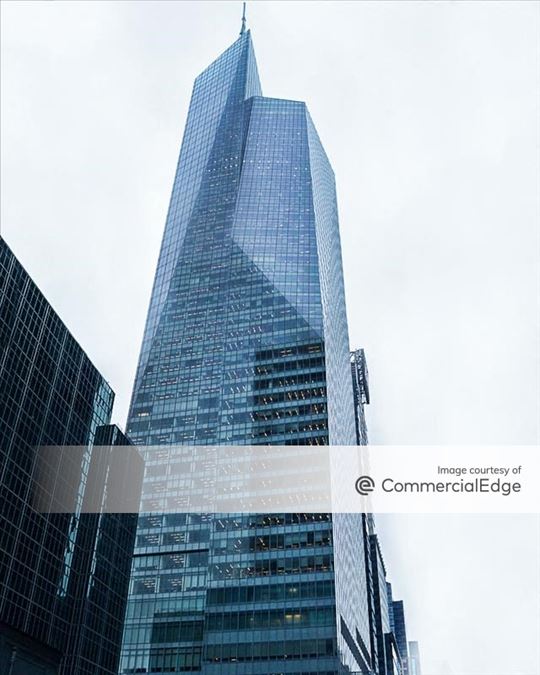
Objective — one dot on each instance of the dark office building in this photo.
(381, 611)
(394, 664)
(400, 632)
(371, 573)
(361, 393)
(396, 614)
(63, 576)
(246, 342)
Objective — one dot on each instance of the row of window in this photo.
(270, 592)
(172, 538)
(271, 619)
(265, 651)
(169, 561)
(151, 607)
(272, 542)
(269, 520)
(272, 567)
(168, 583)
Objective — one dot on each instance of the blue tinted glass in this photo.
(246, 343)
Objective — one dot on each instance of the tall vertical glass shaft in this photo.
(246, 342)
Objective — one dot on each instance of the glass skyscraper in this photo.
(63, 576)
(246, 342)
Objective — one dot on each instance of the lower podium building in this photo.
(414, 659)
(63, 576)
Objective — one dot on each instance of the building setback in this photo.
(64, 576)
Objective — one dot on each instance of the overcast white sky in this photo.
(429, 113)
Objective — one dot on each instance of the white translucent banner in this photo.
(292, 479)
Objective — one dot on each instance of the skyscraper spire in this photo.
(243, 29)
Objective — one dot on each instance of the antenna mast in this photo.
(243, 29)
